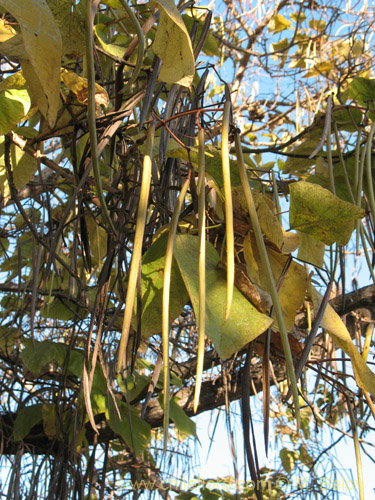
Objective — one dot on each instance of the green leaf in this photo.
(362, 89)
(64, 310)
(212, 44)
(98, 239)
(214, 168)
(137, 434)
(115, 47)
(43, 45)
(287, 459)
(23, 165)
(152, 288)
(316, 211)
(14, 106)
(173, 46)
(301, 162)
(26, 419)
(244, 324)
(347, 119)
(184, 424)
(39, 354)
(8, 339)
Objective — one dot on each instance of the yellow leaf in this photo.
(294, 283)
(71, 24)
(316, 211)
(42, 43)
(98, 239)
(278, 23)
(319, 68)
(269, 222)
(49, 420)
(6, 31)
(78, 86)
(333, 324)
(173, 46)
(311, 250)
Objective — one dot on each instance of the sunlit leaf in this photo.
(278, 23)
(316, 211)
(244, 324)
(287, 459)
(320, 68)
(114, 47)
(78, 85)
(294, 282)
(42, 42)
(311, 250)
(173, 46)
(334, 325)
(14, 105)
(6, 31)
(317, 24)
(281, 45)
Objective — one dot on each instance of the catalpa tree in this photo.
(184, 191)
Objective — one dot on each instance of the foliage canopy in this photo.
(182, 191)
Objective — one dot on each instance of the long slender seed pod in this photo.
(137, 249)
(357, 451)
(141, 44)
(165, 311)
(276, 197)
(366, 349)
(267, 268)
(91, 115)
(229, 232)
(370, 197)
(201, 266)
(366, 252)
